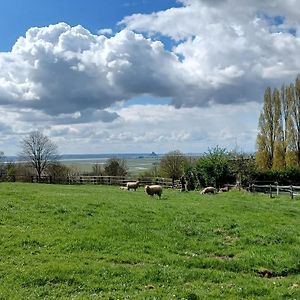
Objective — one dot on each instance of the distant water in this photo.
(105, 156)
(72, 157)
(83, 157)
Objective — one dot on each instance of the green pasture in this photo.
(99, 242)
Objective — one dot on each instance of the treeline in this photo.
(278, 139)
(217, 167)
(24, 171)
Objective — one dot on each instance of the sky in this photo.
(141, 76)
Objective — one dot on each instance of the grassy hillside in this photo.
(94, 242)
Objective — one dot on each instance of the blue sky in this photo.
(140, 75)
(17, 16)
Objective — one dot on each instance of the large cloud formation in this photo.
(63, 70)
(211, 58)
(231, 50)
(225, 52)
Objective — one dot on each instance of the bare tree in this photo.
(39, 151)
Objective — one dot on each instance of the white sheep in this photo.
(132, 185)
(153, 189)
(208, 190)
(224, 189)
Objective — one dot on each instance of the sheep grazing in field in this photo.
(132, 185)
(224, 189)
(153, 189)
(209, 190)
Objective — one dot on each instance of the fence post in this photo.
(292, 193)
(271, 191)
(277, 190)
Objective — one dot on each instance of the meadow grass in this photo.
(99, 242)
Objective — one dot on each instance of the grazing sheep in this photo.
(208, 190)
(132, 185)
(153, 189)
(224, 189)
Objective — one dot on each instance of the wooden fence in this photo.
(106, 180)
(275, 189)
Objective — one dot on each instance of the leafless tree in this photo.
(39, 151)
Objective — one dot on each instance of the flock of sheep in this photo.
(157, 189)
(149, 189)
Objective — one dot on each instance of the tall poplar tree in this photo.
(266, 132)
(278, 161)
(296, 116)
(290, 135)
(278, 139)
(285, 114)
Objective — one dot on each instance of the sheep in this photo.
(208, 190)
(132, 185)
(224, 189)
(153, 189)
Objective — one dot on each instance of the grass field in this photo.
(98, 242)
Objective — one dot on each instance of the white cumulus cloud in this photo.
(230, 50)
(61, 69)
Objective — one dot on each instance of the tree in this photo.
(11, 170)
(278, 161)
(295, 117)
(242, 166)
(272, 130)
(39, 151)
(57, 170)
(2, 164)
(265, 137)
(116, 167)
(97, 169)
(154, 171)
(172, 165)
(213, 168)
(278, 139)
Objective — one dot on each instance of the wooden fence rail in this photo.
(106, 180)
(275, 189)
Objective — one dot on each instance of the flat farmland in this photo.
(135, 165)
